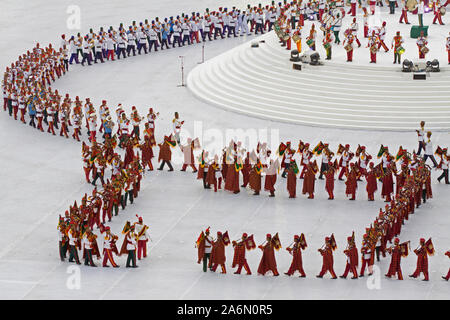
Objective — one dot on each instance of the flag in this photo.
(318, 149)
(281, 149)
(276, 242)
(197, 143)
(358, 151)
(404, 249)
(200, 239)
(250, 243)
(400, 153)
(226, 238)
(301, 146)
(126, 227)
(340, 149)
(303, 243)
(333, 242)
(258, 167)
(430, 247)
(439, 151)
(381, 152)
(169, 141)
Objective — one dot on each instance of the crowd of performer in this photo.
(27, 92)
(346, 165)
(330, 19)
(380, 239)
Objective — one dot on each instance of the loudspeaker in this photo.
(296, 66)
(419, 76)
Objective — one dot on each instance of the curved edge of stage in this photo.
(260, 82)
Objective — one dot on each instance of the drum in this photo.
(310, 42)
(424, 50)
(348, 47)
(373, 49)
(296, 38)
(401, 50)
(286, 37)
(442, 10)
(323, 28)
(326, 45)
(411, 5)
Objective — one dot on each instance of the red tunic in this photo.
(422, 260)
(297, 261)
(165, 154)
(269, 183)
(395, 261)
(329, 182)
(268, 262)
(309, 181)
(239, 255)
(352, 253)
(217, 253)
(255, 180)
(371, 182)
(351, 184)
(232, 180)
(388, 183)
(291, 183)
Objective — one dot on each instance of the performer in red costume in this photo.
(422, 252)
(327, 254)
(396, 251)
(292, 180)
(367, 255)
(239, 259)
(388, 182)
(447, 277)
(351, 183)
(352, 259)
(268, 262)
(329, 182)
(218, 254)
(404, 15)
(296, 252)
(371, 179)
(309, 180)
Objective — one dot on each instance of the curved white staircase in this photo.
(260, 82)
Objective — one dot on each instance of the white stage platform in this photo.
(260, 82)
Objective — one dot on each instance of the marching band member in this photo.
(445, 161)
(447, 46)
(381, 37)
(429, 150)
(367, 256)
(268, 262)
(239, 259)
(177, 127)
(218, 254)
(373, 44)
(129, 247)
(447, 277)
(348, 44)
(327, 43)
(327, 256)
(352, 259)
(421, 137)
(396, 256)
(422, 260)
(142, 238)
(354, 27)
(311, 40)
(421, 44)
(109, 247)
(437, 12)
(297, 261)
(397, 45)
(404, 15)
